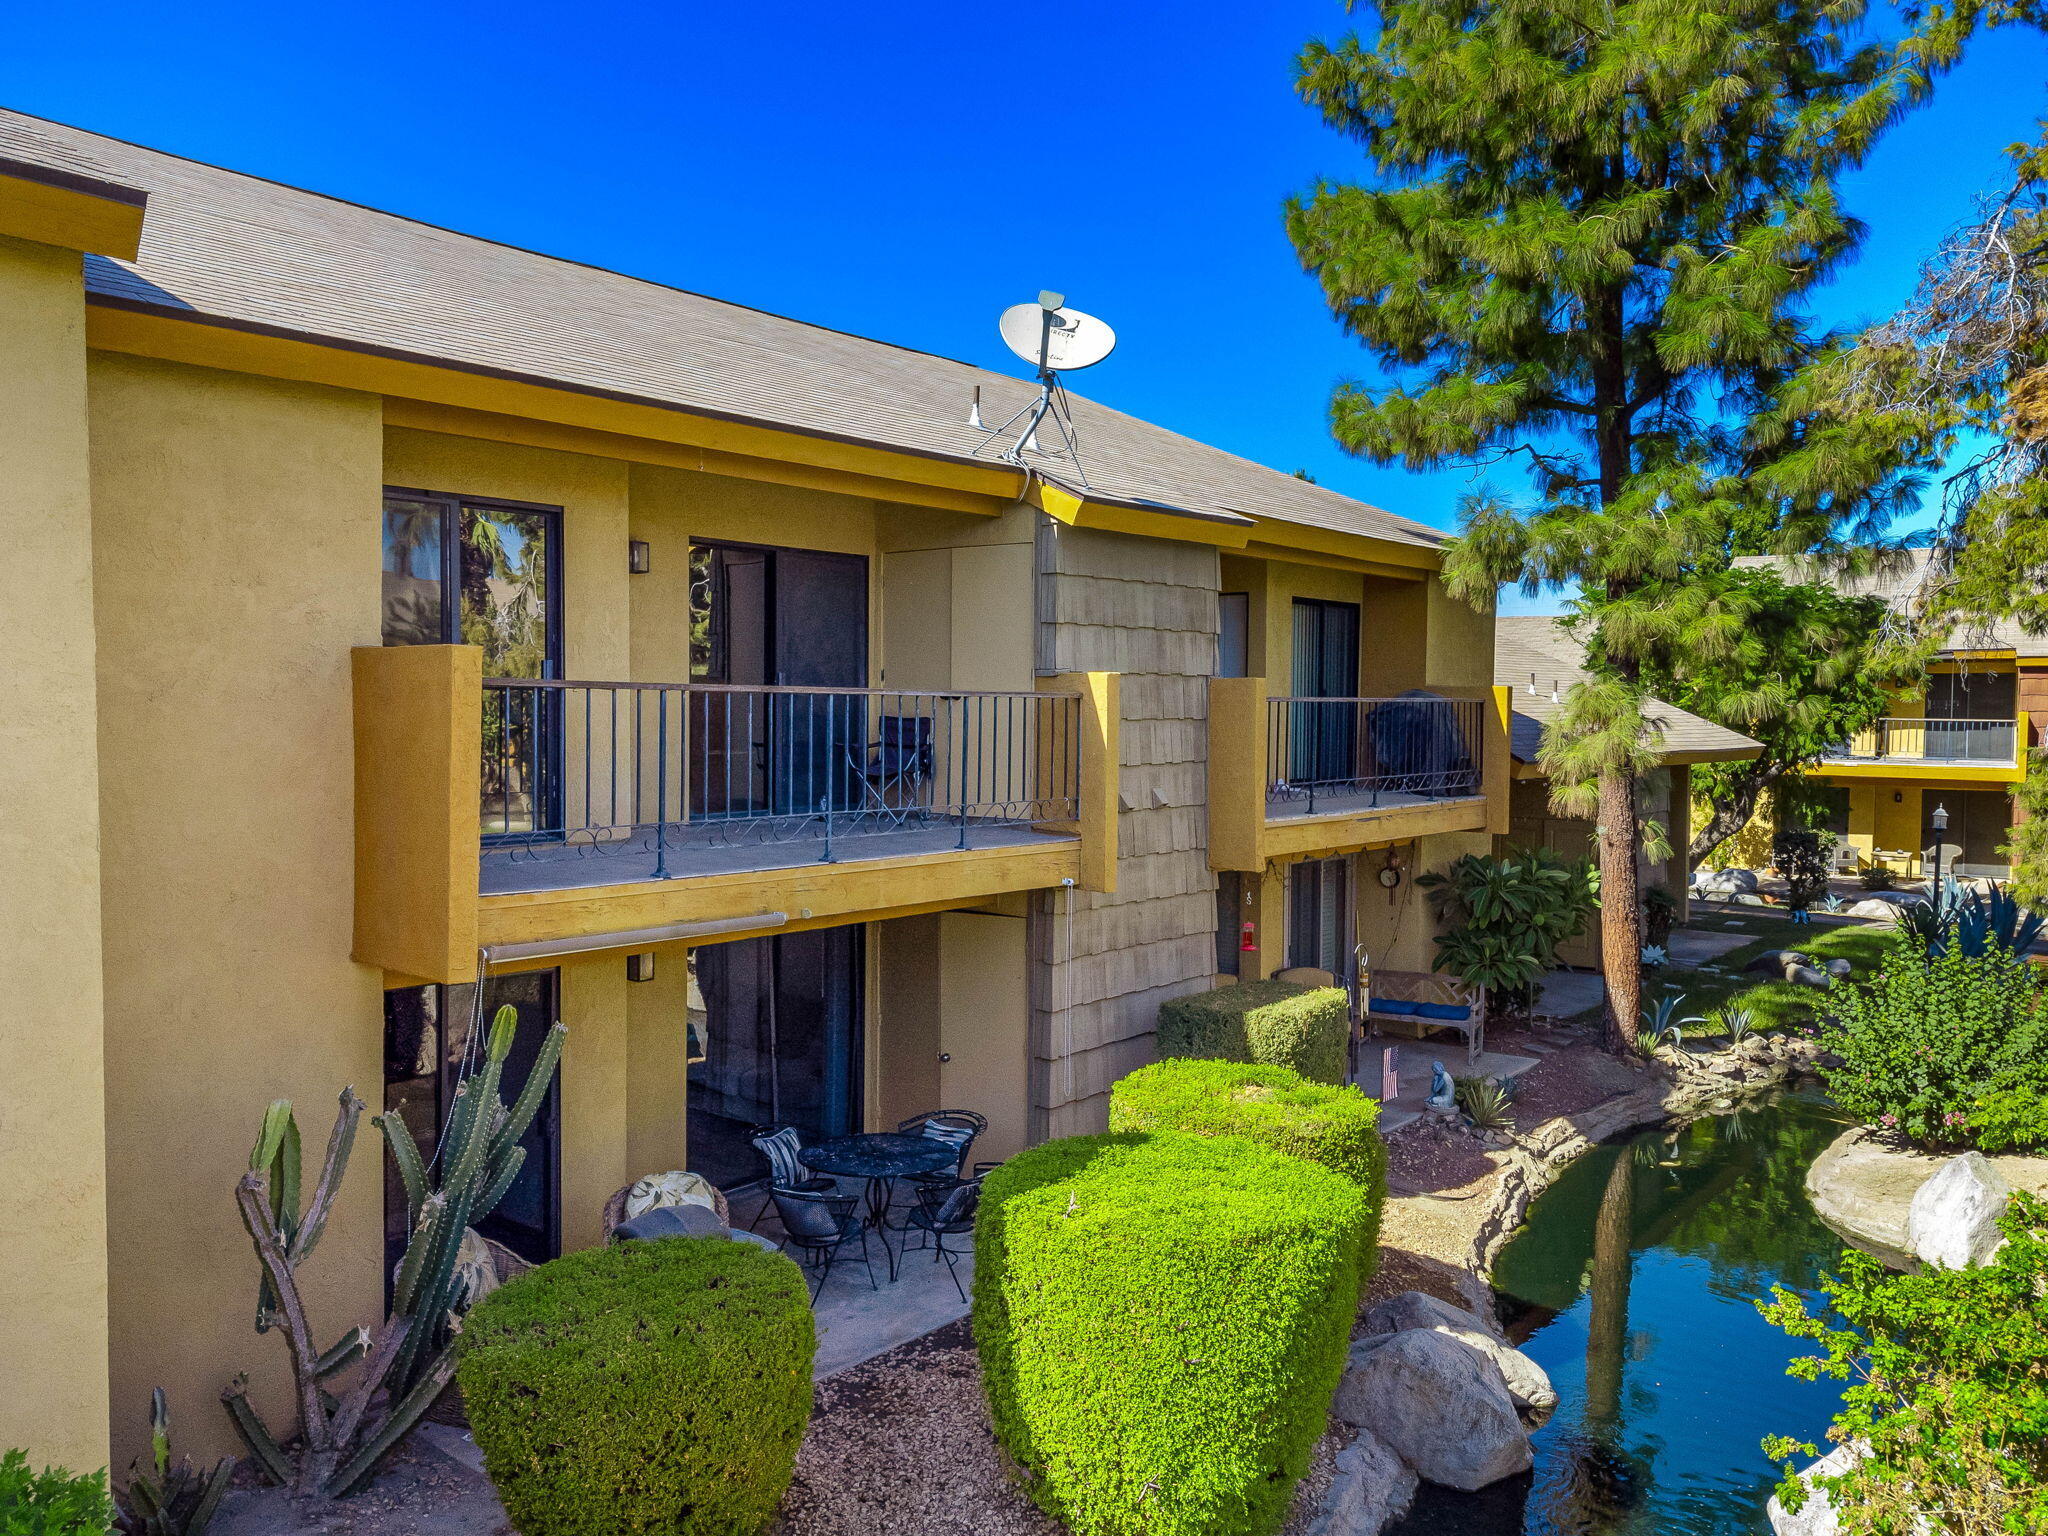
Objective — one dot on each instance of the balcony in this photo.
(519, 814)
(1990, 751)
(1301, 777)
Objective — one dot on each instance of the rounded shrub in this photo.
(1306, 1029)
(1337, 1127)
(1162, 1322)
(659, 1386)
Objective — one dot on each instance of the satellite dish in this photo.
(1054, 339)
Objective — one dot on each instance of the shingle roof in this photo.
(1526, 647)
(221, 246)
(1900, 582)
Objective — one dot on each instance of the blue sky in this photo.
(903, 171)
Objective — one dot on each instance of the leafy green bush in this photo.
(1508, 916)
(1277, 1023)
(1948, 1388)
(1927, 1036)
(1162, 1321)
(2006, 1118)
(1337, 1127)
(51, 1502)
(1660, 915)
(1801, 857)
(652, 1386)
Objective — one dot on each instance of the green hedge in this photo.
(1275, 1023)
(1162, 1322)
(653, 1386)
(1337, 1127)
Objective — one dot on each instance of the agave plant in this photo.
(163, 1499)
(344, 1431)
(1978, 919)
(1737, 1022)
(1662, 1025)
(1487, 1102)
(1655, 955)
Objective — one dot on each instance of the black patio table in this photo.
(880, 1157)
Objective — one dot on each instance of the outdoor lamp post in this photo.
(1940, 820)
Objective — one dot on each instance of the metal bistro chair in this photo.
(786, 1170)
(959, 1127)
(820, 1225)
(900, 761)
(948, 1210)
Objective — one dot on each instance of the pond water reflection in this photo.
(1631, 1284)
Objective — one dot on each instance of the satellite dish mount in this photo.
(1053, 339)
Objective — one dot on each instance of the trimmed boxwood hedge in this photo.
(1162, 1322)
(651, 1386)
(1272, 1022)
(1337, 1127)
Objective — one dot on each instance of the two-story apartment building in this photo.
(404, 625)
(1956, 745)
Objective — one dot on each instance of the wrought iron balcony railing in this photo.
(664, 768)
(1329, 754)
(1932, 741)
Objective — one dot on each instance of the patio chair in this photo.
(784, 1151)
(820, 1225)
(899, 762)
(615, 1208)
(957, 1126)
(948, 1210)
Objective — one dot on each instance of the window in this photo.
(1319, 924)
(1233, 634)
(1233, 910)
(465, 570)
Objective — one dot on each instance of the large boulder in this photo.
(1816, 1517)
(1953, 1218)
(1873, 907)
(1863, 1187)
(1725, 882)
(1527, 1382)
(1371, 1490)
(1440, 1403)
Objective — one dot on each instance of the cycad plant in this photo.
(400, 1369)
(1508, 915)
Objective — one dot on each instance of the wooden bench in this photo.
(1398, 1002)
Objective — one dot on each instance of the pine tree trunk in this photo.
(1607, 1325)
(1621, 912)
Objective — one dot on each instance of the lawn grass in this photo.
(1772, 1004)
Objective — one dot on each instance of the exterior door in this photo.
(983, 1063)
(428, 1049)
(787, 618)
(1319, 921)
(776, 1040)
(1324, 737)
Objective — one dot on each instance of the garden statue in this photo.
(1442, 1094)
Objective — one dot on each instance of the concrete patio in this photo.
(1413, 1060)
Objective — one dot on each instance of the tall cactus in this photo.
(402, 1367)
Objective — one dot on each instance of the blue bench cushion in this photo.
(1460, 1012)
(1395, 1005)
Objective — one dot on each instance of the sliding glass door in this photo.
(775, 1039)
(1324, 737)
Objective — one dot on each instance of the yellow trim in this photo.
(1974, 660)
(1921, 774)
(456, 421)
(1064, 506)
(69, 217)
(1302, 837)
(417, 790)
(814, 895)
(208, 345)
(1354, 546)
(1101, 755)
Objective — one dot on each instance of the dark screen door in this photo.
(1324, 737)
(791, 618)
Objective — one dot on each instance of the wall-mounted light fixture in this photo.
(639, 558)
(640, 967)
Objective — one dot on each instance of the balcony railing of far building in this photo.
(1932, 741)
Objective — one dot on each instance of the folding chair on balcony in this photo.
(893, 771)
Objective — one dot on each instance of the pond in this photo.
(1631, 1284)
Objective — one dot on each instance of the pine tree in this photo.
(1586, 246)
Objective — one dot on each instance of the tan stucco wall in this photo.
(235, 548)
(596, 1105)
(53, 1276)
(1460, 642)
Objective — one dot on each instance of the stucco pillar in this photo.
(53, 1195)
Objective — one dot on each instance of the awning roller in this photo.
(629, 938)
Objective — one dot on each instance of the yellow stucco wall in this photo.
(53, 1276)
(235, 549)
(1460, 641)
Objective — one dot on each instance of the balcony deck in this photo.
(581, 864)
(1361, 802)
